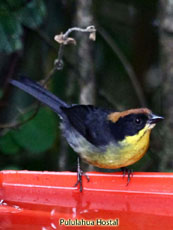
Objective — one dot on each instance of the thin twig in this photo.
(52, 45)
(47, 78)
(89, 29)
(36, 110)
(31, 117)
(20, 123)
(126, 65)
(64, 39)
(58, 65)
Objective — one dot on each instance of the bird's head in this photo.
(131, 122)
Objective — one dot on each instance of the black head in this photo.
(130, 123)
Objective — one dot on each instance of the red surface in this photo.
(38, 200)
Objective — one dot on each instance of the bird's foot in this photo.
(80, 173)
(128, 172)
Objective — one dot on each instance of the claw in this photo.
(80, 173)
(129, 173)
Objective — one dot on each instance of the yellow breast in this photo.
(127, 152)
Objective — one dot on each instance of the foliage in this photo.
(8, 145)
(14, 15)
(37, 135)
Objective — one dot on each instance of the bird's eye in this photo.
(138, 120)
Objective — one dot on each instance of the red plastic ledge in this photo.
(41, 199)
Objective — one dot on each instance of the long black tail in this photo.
(40, 93)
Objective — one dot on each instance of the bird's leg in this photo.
(129, 173)
(80, 173)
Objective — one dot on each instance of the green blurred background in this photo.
(129, 65)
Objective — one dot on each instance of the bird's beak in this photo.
(153, 119)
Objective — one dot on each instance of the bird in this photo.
(102, 137)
